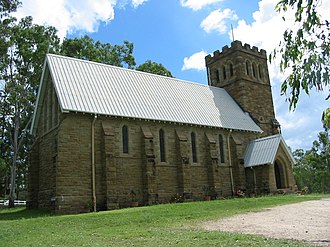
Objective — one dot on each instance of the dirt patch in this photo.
(308, 221)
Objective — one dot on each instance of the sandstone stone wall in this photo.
(42, 172)
(140, 170)
(44, 154)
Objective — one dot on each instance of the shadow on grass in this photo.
(22, 213)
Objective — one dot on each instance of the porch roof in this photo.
(263, 151)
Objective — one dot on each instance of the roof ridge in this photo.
(133, 71)
(267, 137)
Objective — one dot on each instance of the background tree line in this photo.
(312, 170)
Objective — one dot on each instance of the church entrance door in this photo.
(279, 175)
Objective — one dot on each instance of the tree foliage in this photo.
(154, 68)
(305, 50)
(22, 59)
(313, 166)
(88, 49)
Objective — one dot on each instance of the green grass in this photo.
(160, 225)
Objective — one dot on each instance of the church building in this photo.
(107, 136)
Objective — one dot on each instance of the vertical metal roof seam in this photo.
(56, 66)
(128, 90)
(77, 86)
(72, 86)
(115, 101)
(55, 77)
(138, 95)
(93, 78)
(107, 91)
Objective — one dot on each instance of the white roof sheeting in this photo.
(264, 150)
(84, 86)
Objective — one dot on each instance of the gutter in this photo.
(230, 164)
(93, 163)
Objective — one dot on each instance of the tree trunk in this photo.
(12, 193)
(15, 146)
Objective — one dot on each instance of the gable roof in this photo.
(263, 151)
(89, 87)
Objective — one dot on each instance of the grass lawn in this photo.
(159, 225)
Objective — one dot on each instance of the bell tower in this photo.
(242, 71)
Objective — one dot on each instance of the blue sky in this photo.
(179, 33)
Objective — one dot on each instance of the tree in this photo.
(3, 173)
(87, 48)
(6, 21)
(117, 55)
(154, 68)
(21, 68)
(305, 51)
(313, 166)
(326, 119)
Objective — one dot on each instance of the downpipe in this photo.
(93, 163)
(230, 164)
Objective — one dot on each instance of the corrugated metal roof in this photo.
(84, 86)
(263, 151)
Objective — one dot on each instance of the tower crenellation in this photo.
(236, 46)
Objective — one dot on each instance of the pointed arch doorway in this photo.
(279, 175)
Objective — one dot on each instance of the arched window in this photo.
(162, 145)
(254, 70)
(221, 147)
(247, 65)
(193, 147)
(224, 72)
(125, 139)
(231, 69)
(260, 71)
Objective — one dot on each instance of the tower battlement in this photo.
(236, 46)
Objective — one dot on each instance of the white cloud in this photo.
(69, 16)
(195, 61)
(267, 28)
(197, 4)
(216, 20)
(291, 121)
(136, 3)
(300, 127)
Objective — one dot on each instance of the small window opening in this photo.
(231, 69)
(260, 71)
(217, 76)
(224, 72)
(125, 139)
(254, 70)
(247, 68)
(162, 145)
(193, 147)
(222, 153)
